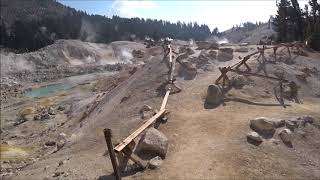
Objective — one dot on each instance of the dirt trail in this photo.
(211, 143)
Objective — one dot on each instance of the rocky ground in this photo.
(248, 135)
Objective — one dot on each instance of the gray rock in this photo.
(153, 143)
(225, 54)
(137, 53)
(203, 59)
(213, 54)
(244, 44)
(37, 117)
(145, 108)
(254, 136)
(50, 143)
(45, 116)
(275, 141)
(207, 45)
(57, 174)
(147, 114)
(186, 50)
(155, 162)
(277, 123)
(214, 46)
(238, 81)
(187, 70)
(51, 111)
(61, 108)
(291, 124)
(286, 136)
(262, 126)
(214, 96)
(302, 76)
(307, 119)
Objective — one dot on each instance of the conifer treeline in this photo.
(295, 24)
(29, 34)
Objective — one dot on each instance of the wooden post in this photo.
(281, 94)
(275, 53)
(108, 136)
(289, 51)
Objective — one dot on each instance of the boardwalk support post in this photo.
(108, 136)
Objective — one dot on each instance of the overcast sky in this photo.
(214, 13)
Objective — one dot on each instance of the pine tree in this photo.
(281, 20)
(296, 18)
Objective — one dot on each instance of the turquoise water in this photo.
(49, 89)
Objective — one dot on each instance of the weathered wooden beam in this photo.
(165, 100)
(108, 137)
(258, 75)
(132, 136)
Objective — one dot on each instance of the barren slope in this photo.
(203, 143)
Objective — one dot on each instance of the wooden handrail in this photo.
(131, 137)
(165, 100)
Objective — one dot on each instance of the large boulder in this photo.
(187, 70)
(214, 96)
(225, 54)
(263, 126)
(152, 143)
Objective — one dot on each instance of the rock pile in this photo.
(265, 128)
(225, 54)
